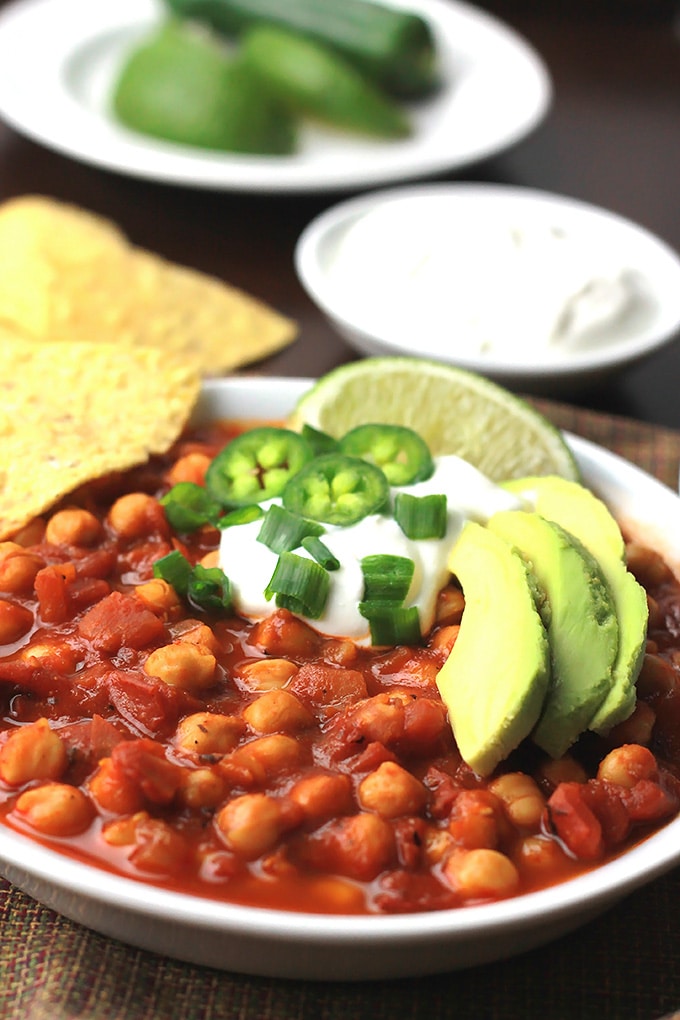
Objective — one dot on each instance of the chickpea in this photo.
(18, 568)
(539, 854)
(196, 633)
(283, 634)
(189, 468)
(625, 766)
(189, 667)
(267, 674)
(341, 651)
(323, 796)
(268, 755)
(73, 526)
(55, 809)
(345, 897)
(523, 801)
(159, 596)
(253, 824)
(481, 874)
(391, 791)
(32, 752)
(561, 770)
(59, 658)
(15, 621)
(277, 710)
(208, 733)
(121, 831)
(134, 515)
(202, 788)
(31, 533)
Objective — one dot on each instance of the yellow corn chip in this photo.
(68, 275)
(71, 413)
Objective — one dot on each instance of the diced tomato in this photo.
(143, 763)
(149, 705)
(648, 802)
(574, 822)
(120, 621)
(51, 587)
(606, 802)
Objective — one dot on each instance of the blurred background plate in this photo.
(58, 59)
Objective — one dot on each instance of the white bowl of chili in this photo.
(291, 938)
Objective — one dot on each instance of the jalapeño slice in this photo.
(337, 489)
(256, 466)
(399, 452)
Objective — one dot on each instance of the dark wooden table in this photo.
(612, 137)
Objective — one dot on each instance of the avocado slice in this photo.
(495, 678)
(583, 630)
(586, 517)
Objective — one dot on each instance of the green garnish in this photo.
(299, 584)
(242, 515)
(387, 578)
(337, 489)
(175, 569)
(391, 624)
(321, 553)
(209, 588)
(283, 531)
(421, 517)
(189, 506)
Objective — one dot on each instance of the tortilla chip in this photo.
(71, 413)
(68, 275)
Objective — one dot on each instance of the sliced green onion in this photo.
(387, 578)
(321, 553)
(300, 584)
(175, 569)
(283, 531)
(209, 588)
(319, 441)
(242, 515)
(392, 625)
(189, 506)
(421, 516)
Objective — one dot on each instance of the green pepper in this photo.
(181, 86)
(315, 81)
(337, 489)
(394, 46)
(399, 452)
(256, 466)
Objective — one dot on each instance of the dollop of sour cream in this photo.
(447, 281)
(470, 496)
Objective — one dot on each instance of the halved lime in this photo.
(455, 411)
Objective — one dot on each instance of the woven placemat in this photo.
(623, 966)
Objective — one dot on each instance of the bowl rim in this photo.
(665, 328)
(31, 865)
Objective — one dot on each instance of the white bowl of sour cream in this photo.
(537, 291)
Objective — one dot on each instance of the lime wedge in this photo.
(455, 411)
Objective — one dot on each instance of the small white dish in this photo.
(362, 280)
(335, 948)
(58, 60)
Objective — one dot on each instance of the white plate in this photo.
(58, 59)
(319, 947)
(652, 322)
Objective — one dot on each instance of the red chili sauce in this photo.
(266, 764)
